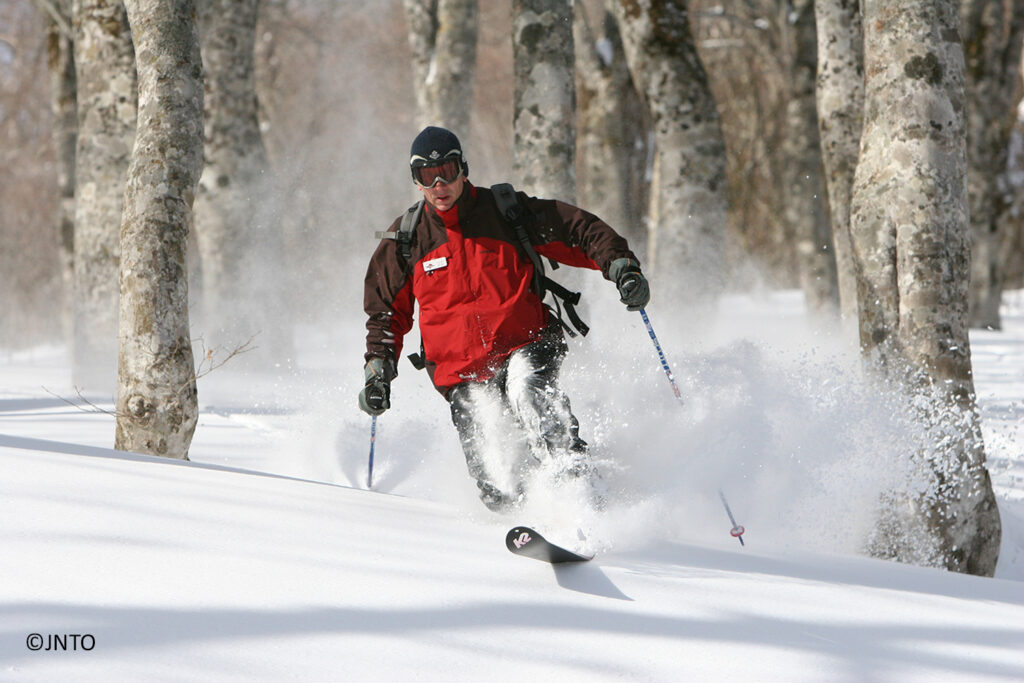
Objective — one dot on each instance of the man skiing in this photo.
(488, 340)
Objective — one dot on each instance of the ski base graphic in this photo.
(526, 542)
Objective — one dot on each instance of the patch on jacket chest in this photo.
(435, 264)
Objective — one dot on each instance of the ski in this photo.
(526, 542)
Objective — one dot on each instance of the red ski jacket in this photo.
(474, 283)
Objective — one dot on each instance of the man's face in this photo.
(442, 196)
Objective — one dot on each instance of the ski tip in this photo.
(522, 540)
(520, 536)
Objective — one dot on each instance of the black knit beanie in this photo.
(432, 145)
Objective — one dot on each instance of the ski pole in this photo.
(661, 355)
(737, 530)
(373, 441)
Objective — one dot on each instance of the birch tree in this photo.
(687, 217)
(240, 248)
(106, 92)
(910, 238)
(743, 50)
(610, 146)
(156, 401)
(60, 50)
(30, 267)
(802, 170)
(840, 103)
(442, 36)
(992, 32)
(1012, 220)
(544, 98)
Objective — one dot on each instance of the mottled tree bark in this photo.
(840, 101)
(688, 192)
(544, 101)
(240, 247)
(157, 402)
(60, 48)
(105, 65)
(611, 146)
(805, 189)
(443, 36)
(910, 237)
(992, 34)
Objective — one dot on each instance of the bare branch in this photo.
(93, 408)
(62, 22)
(205, 367)
(208, 356)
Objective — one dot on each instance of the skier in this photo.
(488, 340)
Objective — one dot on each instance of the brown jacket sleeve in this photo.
(575, 237)
(387, 300)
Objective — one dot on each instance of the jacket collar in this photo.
(462, 207)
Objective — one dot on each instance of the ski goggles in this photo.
(448, 171)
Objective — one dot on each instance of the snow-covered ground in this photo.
(263, 560)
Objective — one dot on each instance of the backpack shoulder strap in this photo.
(508, 203)
(403, 236)
(517, 215)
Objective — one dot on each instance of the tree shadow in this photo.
(852, 570)
(12, 405)
(869, 651)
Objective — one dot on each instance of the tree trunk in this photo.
(1012, 220)
(544, 101)
(60, 41)
(105, 65)
(840, 100)
(688, 195)
(240, 247)
(910, 230)
(805, 189)
(156, 402)
(992, 34)
(742, 46)
(611, 145)
(443, 36)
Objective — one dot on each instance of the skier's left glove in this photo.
(634, 290)
(375, 397)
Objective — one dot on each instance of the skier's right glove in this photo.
(375, 397)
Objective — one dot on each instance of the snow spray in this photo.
(737, 530)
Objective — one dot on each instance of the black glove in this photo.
(634, 290)
(375, 397)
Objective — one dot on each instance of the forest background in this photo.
(726, 192)
(337, 112)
